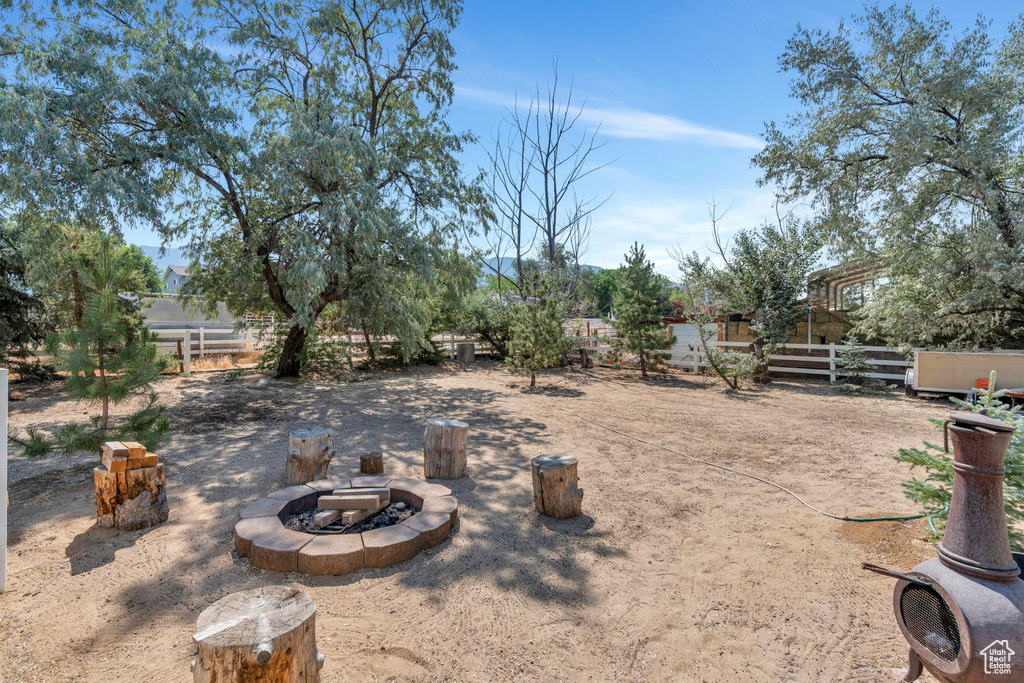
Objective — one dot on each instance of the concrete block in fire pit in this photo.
(446, 504)
(434, 527)
(369, 482)
(332, 555)
(278, 550)
(302, 497)
(390, 545)
(248, 529)
(265, 507)
(328, 485)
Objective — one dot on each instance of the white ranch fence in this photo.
(798, 359)
(203, 341)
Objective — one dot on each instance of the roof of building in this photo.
(177, 270)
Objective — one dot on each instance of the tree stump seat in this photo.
(555, 485)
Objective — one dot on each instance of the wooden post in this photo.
(202, 339)
(832, 363)
(186, 364)
(259, 635)
(3, 480)
(180, 356)
(309, 453)
(444, 448)
(555, 489)
(372, 463)
(130, 499)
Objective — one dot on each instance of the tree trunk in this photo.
(444, 449)
(288, 364)
(555, 489)
(369, 345)
(133, 499)
(310, 451)
(372, 463)
(264, 634)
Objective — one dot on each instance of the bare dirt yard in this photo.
(675, 571)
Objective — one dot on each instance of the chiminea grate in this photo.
(930, 621)
(963, 612)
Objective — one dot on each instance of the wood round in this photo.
(371, 463)
(309, 453)
(444, 448)
(263, 634)
(555, 485)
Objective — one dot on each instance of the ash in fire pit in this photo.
(389, 516)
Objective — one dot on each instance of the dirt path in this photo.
(675, 571)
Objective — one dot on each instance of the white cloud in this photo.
(663, 222)
(622, 122)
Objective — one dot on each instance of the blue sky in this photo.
(682, 90)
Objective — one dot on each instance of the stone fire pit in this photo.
(261, 535)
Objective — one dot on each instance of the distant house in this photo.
(175, 278)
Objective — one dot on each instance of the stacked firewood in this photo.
(129, 487)
(350, 506)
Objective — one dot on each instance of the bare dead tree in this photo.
(540, 158)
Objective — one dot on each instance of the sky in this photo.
(682, 91)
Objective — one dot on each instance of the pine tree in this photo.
(108, 358)
(538, 340)
(853, 366)
(638, 302)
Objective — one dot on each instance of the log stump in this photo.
(444, 448)
(309, 453)
(465, 352)
(555, 489)
(264, 634)
(131, 499)
(372, 463)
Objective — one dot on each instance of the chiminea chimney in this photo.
(975, 542)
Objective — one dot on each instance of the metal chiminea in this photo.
(963, 612)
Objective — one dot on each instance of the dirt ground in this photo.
(675, 571)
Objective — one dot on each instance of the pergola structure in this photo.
(826, 287)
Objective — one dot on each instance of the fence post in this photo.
(451, 351)
(832, 363)
(202, 336)
(3, 480)
(186, 349)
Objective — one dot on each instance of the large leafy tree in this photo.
(908, 144)
(302, 148)
(639, 301)
(762, 271)
(20, 311)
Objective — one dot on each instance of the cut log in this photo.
(309, 453)
(114, 456)
(372, 463)
(322, 519)
(383, 494)
(444, 448)
(134, 499)
(466, 352)
(353, 516)
(555, 489)
(265, 634)
(348, 503)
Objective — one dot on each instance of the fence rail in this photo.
(690, 354)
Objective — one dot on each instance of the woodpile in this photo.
(349, 506)
(261, 635)
(129, 487)
(444, 448)
(555, 489)
(310, 451)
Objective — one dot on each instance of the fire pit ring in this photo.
(261, 535)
